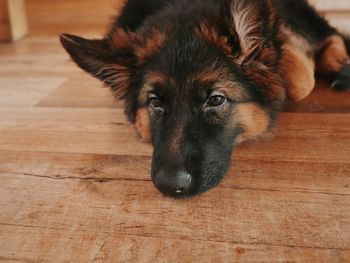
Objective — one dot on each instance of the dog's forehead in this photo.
(164, 80)
(189, 63)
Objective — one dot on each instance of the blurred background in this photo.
(56, 16)
(53, 17)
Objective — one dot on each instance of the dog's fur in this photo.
(200, 76)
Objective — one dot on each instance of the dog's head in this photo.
(194, 91)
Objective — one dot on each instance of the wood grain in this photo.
(56, 244)
(101, 206)
(27, 91)
(91, 95)
(75, 179)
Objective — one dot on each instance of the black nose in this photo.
(178, 185)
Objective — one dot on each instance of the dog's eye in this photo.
(216, 101)
(155, 102)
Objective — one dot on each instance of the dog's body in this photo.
(200, 76)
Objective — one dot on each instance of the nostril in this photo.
(178, 184)
(179, 191)
(183, 182)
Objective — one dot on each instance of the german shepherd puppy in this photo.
(199, 77)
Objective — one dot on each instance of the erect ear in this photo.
(251, 22)
(101, 60)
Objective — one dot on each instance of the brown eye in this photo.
(216, 101)
(155, 102)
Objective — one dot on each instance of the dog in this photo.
(199, 77)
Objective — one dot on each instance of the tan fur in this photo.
(333, 56)
(144, 46)
(299, 72)
(142, 125)
(211, 35)
(246, 24)
(269, 81)
(211, 74)
(151, 79)
(232, 89)
(121, 39)
(119, 81)
(152, 46)
(144, 94)
(223, 81)
(253, 120)
(299, 43)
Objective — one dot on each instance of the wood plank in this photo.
(36, 57)
(326, 178)
(69, 130)
(121, 207)
(81, 91)
(73, 17)
(114, 167)
(33, 244)
(39, 65)
(28, 91)
(84, 166)
(145, 249)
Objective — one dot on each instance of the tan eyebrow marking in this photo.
(211, 75)
(153, 44)
(151, 79)
(233, 90)
(223, 82)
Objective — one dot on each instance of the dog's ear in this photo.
(249, 21)
(254, 25)
(101, 59)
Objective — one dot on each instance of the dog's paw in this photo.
(342, 82)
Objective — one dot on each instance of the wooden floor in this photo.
(75, 180)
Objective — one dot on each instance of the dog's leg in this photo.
(325, 44)
(298, 70)
(333, 61)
